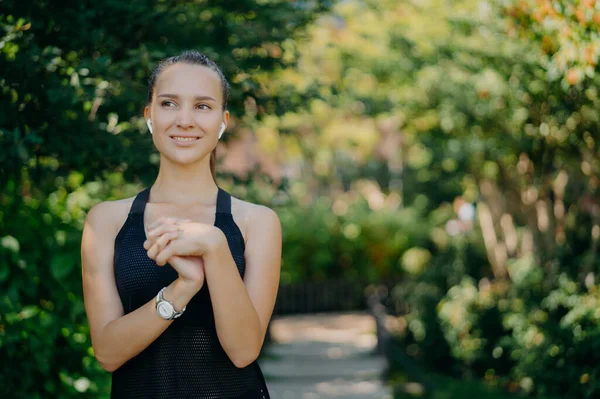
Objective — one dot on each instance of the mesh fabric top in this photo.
(187, 360)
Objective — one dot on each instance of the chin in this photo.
(184, 159)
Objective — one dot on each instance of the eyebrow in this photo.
(197, 98)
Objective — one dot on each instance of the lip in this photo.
(185, 143)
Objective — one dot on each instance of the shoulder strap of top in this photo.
(223, 201)
(139, 203)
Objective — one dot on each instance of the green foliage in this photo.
(452, 388)
(73, 87)
(441, 289)
(381, 113)
(361, 236)
(44, 332)
(518, 336)
(482, 115)
(81, 69)
(554, 342)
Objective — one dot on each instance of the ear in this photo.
(146, 112)
(226, 117)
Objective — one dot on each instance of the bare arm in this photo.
(243, 308)
(112, 331)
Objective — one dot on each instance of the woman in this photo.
(180, 281)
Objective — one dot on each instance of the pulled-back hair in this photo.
(191, 57)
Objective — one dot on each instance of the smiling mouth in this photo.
(184, 139)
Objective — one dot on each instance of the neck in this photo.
(184, 184)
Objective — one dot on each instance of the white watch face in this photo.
(165, 310)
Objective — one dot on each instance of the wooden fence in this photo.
(326, 296)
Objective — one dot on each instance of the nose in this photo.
(185, 119)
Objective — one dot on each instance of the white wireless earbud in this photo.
(223, 126)
(149, 123)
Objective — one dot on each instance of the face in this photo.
(186, 112)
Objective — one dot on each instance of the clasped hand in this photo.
(182, 243)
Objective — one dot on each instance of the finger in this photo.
(157, 245)
(153, 234)
(151, 241)
(163, 240)
(156, 223)
(165, 254)
(161, 221)
(167, 221)
(148, 244)
(152, 252)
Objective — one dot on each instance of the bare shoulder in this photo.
(109, 216)
(251, 217)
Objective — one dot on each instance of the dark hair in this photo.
(191, 57)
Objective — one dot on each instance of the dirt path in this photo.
(324, 356)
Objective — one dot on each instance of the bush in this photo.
(521, 335)
(350, 238)
(44, 334)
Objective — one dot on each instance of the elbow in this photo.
(110, 367)
(242, 362)
(243, 356)
(102, 356)
(106, 364)
(244, 359)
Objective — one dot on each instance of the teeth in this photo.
(185, 138)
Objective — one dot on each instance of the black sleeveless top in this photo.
(187, 360)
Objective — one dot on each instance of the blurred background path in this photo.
(324, 356)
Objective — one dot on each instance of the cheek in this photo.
(208, 119)
(209, 125)
(163, 117)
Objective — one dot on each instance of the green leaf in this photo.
(3, 271)
(61, 265)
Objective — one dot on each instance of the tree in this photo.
(71, 133)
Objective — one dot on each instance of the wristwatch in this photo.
(165, 309)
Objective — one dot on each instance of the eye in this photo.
(167, 103)
(204, 106)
